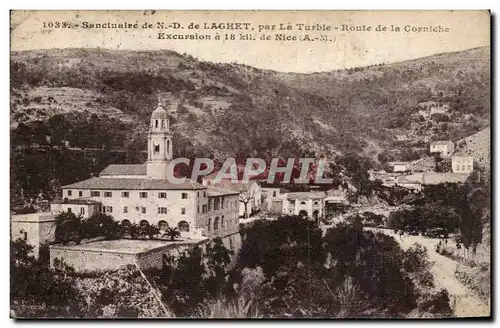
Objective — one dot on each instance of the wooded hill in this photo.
(233, 109)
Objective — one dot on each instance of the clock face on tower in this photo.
(156, 143)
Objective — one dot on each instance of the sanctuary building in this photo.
(142, 194)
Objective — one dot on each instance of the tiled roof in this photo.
(305, 195)
(133, 184)
(404, 180)
(214, 191)
(124, 169)
(77, 201)
(399, 163)
(159, 112)
(431, 178)
(238, 187)
(461, 154)
(229, 184)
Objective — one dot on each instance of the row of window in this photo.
(144, 194)
(142, 209)
(162, 123)
(218, 224)
(292, 202)
(124, 194)
(183, 226)
(218, 204)
(457, 168)
(82, 210)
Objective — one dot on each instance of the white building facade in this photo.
(444, 148)
(306, 204)
(400, 166)
(250, 193)
(462, 164)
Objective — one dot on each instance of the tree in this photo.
(282, 242)
(183, 283)
(101, 224)
(134, 230)
(36, 290)
(375, 263)
(68, 228)
(442, 164)
(471, 212)
(470, 203)
(147, 230)
(357, 167)
(429, 215)
(245, 198)
(173, 233)
(152, 231)
(218, 259)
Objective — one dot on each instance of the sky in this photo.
(467, 29)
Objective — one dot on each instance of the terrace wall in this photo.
(84, 259)
(90, 260)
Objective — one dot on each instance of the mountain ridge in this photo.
(439, 54)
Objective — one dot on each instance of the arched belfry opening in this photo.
(159, 143)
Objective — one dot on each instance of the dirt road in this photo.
(464, 302)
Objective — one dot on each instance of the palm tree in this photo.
(173, 233)
(134, 230)
(152, 230)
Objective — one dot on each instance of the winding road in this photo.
(464, 302)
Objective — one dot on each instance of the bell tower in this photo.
(159, 144)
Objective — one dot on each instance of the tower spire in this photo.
(159, 143)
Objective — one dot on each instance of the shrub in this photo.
(375, 262)
(182, 282)
(123, 293)
(438, 303)
(222, 307)
(100, 224)
(251, 284)
(416, 263)
(36, 290)
(218, 258)
(282, 242)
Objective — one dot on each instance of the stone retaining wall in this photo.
(82, 258)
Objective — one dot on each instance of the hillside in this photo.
(231, 109)
(477, 145)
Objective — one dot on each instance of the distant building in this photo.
(429, 108)
(440, 110)
(400, 166)
(272, 200)
(402, 137)
(444, 148)
(433, 105)
(250, 191)
(424, 113)
(462, 164)
(428, 104)
(336, 196)
(306, 204)
(404, 182)
(435, 178)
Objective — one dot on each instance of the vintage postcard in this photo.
(250, 164)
